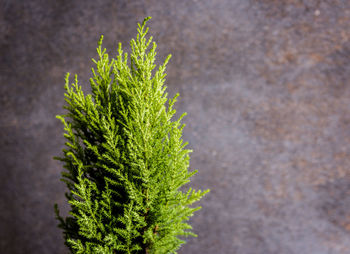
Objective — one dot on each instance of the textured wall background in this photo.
(267, 87)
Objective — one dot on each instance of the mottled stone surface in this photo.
(266, 84)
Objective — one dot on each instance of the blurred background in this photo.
(266, 84)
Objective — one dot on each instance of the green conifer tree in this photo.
(125, 160)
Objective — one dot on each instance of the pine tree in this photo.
(125, 161)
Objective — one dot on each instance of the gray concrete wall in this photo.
(267, 90)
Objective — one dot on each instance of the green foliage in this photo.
(125, 160)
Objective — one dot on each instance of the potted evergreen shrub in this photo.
(125, 162)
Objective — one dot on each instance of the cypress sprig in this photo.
(125, 161)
